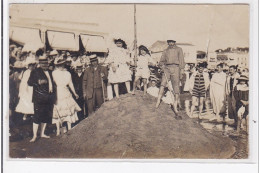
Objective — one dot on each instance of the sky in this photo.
(224, 25)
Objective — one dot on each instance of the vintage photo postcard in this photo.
(130, 81)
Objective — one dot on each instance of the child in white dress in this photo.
(119, 62)
(142, 69)
(153, 90)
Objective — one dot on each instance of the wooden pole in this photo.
(135, 39)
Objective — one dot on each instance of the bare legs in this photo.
(135, 83)
(58, 128)
(145, 86)
(65, 130)
(127, 84)
(201, 99)
(194, 101)
(35, 130)
(24, 116)
(159, 96)
(116, 90)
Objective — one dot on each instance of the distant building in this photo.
(230, 56)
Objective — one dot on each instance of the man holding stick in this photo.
(93, 90)
(172, 63)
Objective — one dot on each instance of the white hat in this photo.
(59, 60)
(78, 64)
(93, 57)
(18, 64)
(30, 60)
(69, 59)
(54, 52)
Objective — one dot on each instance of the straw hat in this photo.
(244, 78)
(43, 59)
(78, 65)
(93, 58)
(59, 60)
(30, 60)
(154, 78)
(18, 64)
(54, 52)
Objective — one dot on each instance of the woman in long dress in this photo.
(217, 92)
(119, 62)
(25, 104)
(66, 108)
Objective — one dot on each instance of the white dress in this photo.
(25, 104)
(142, 69)
(118, 58)
(217, 92)
(66, 108)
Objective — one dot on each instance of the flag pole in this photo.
(135, 39)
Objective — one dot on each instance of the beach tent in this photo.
(62, 40)
(28, 37)
(94, 43)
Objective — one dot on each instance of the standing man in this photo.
(93, 84)
(218, 93)
(232, 80)
(77, 79)
(43, 97)
(172, 63)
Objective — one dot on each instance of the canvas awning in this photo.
(26, 36)
(62, 40)
(93, 43)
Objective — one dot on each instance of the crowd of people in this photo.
(63, 88)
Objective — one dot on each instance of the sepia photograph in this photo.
(129, 81)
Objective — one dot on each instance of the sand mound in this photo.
(131, 127)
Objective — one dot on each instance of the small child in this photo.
(241, 92)
(153, 90)
(142, 69)
(168, 97)
(198, 83)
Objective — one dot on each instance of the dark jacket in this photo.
(41, 93)
(92, 80)
(77, 82)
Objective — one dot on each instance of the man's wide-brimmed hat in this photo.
(171, 41)
(78, 65)
(60, 60)
(244, 78)
(43, 59)
(93, 58)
